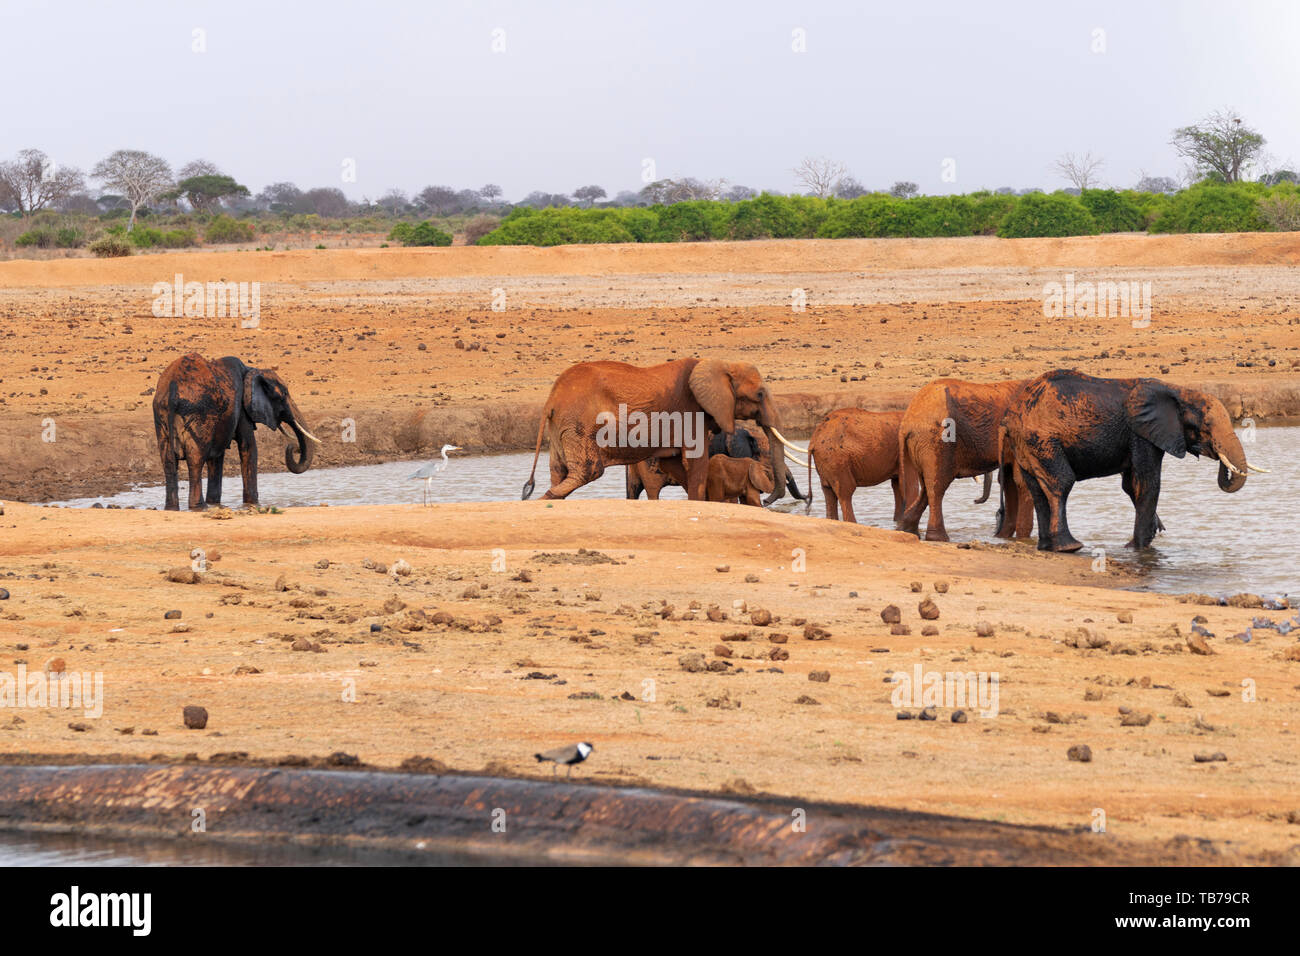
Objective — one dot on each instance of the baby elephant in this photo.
(736, 479)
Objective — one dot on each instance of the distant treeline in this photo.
(1206, 207)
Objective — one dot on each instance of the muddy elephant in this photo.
(653, 475)
(610, 413)
(741, 480)
(950, 431)
(1066, 427)
(854, 448)
(201, 406)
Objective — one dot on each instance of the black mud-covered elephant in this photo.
(1066, 427)
(652, 476)
(201, 406)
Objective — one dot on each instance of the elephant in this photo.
(610, 413)
(1066, 426)
(855, 448)
(950, 431)
(741, 480)
(201, 406)
(653, 475)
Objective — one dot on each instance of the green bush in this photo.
(1112, 211)
(108, 246)
(179, 239)
(880, 215)
(478, 227)
(1280, 210)
(143, 237)
(419, 234)
(41, 237)
(225, 229)
(1214, 207)
(559, 225)
(1052, 214)
(989, 210)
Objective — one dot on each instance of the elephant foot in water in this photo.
(1064, 543)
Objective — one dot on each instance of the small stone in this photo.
(928, 610)
(930, 630)
(1215, 757)
(891, 614)
(751, 578)
(722, 650)
(302, 644)
(4, 595)
(959, 716)
(183, 575)
(172, 616)
(1181, 699)
(941, 587)
(805, 699)
(693, 663)
(1196, 644)
(1135, 719)
(79, 727)
(323, 563)
(1080, 752)
(401, 568)
(984, 630)
(901, 629)
(820, 677)
(915, 587)
(196, 718)
(760, 617)
(1124, 617)
(1092, 693)
(928, 714)
(723, 568)
(778, 654)
(905, 715)
(778, 638)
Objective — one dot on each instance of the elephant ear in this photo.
(759, 478)
(1156, 415)
(257, 399)
(710, 383)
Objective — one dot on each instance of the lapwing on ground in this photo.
(574, 753)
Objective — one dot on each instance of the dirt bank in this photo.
(406, 345)
(508, 637)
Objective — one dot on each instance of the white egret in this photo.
(432, 468)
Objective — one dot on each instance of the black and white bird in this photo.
(575, 753)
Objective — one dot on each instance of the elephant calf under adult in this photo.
(655, 474)
(610, 413)
(855, 448)
(1066, 427)
(740, 480)
(201, 406)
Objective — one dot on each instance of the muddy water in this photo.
(1215, 543)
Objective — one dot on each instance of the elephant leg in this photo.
(1143, 488)
(169, 463)
(832, 503)
(195, 464)
(216, 467)
(697, 475)
(846, 490)
(915, 496)
(1010, 508)
(936, 487)
(1054, 478)
(634, 486)
(247, 442)
(896, 486)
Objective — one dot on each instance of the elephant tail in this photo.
(547, 415)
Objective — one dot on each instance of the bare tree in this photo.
(669, 191)
(1080, 171)
(31, 182)
(1220, 146)
(904, 190)
(1155, 184)
(327, 201)
(139, 176)
(491, 192)
(394, 201)
(440, 200)
(819, 174)
(850, 188)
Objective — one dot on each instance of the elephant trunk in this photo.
(299, 460)
(775, 443)
(1232, 460)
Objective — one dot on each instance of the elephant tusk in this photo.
(796, 459)
(311, 436)
(1232, 469)
(787, 442)
(1262, 471)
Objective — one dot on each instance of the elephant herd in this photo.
(677, 423)
(1040, 436)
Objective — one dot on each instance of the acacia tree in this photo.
(820, 174)
(1220, 146)
(205, 192)
(589, 194)
(31, 182)
(1080, 171)
(138, 176)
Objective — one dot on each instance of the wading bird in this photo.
(432, 468)
(575, 753)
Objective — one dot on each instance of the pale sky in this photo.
(584, 92)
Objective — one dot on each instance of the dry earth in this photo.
(406, 343)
